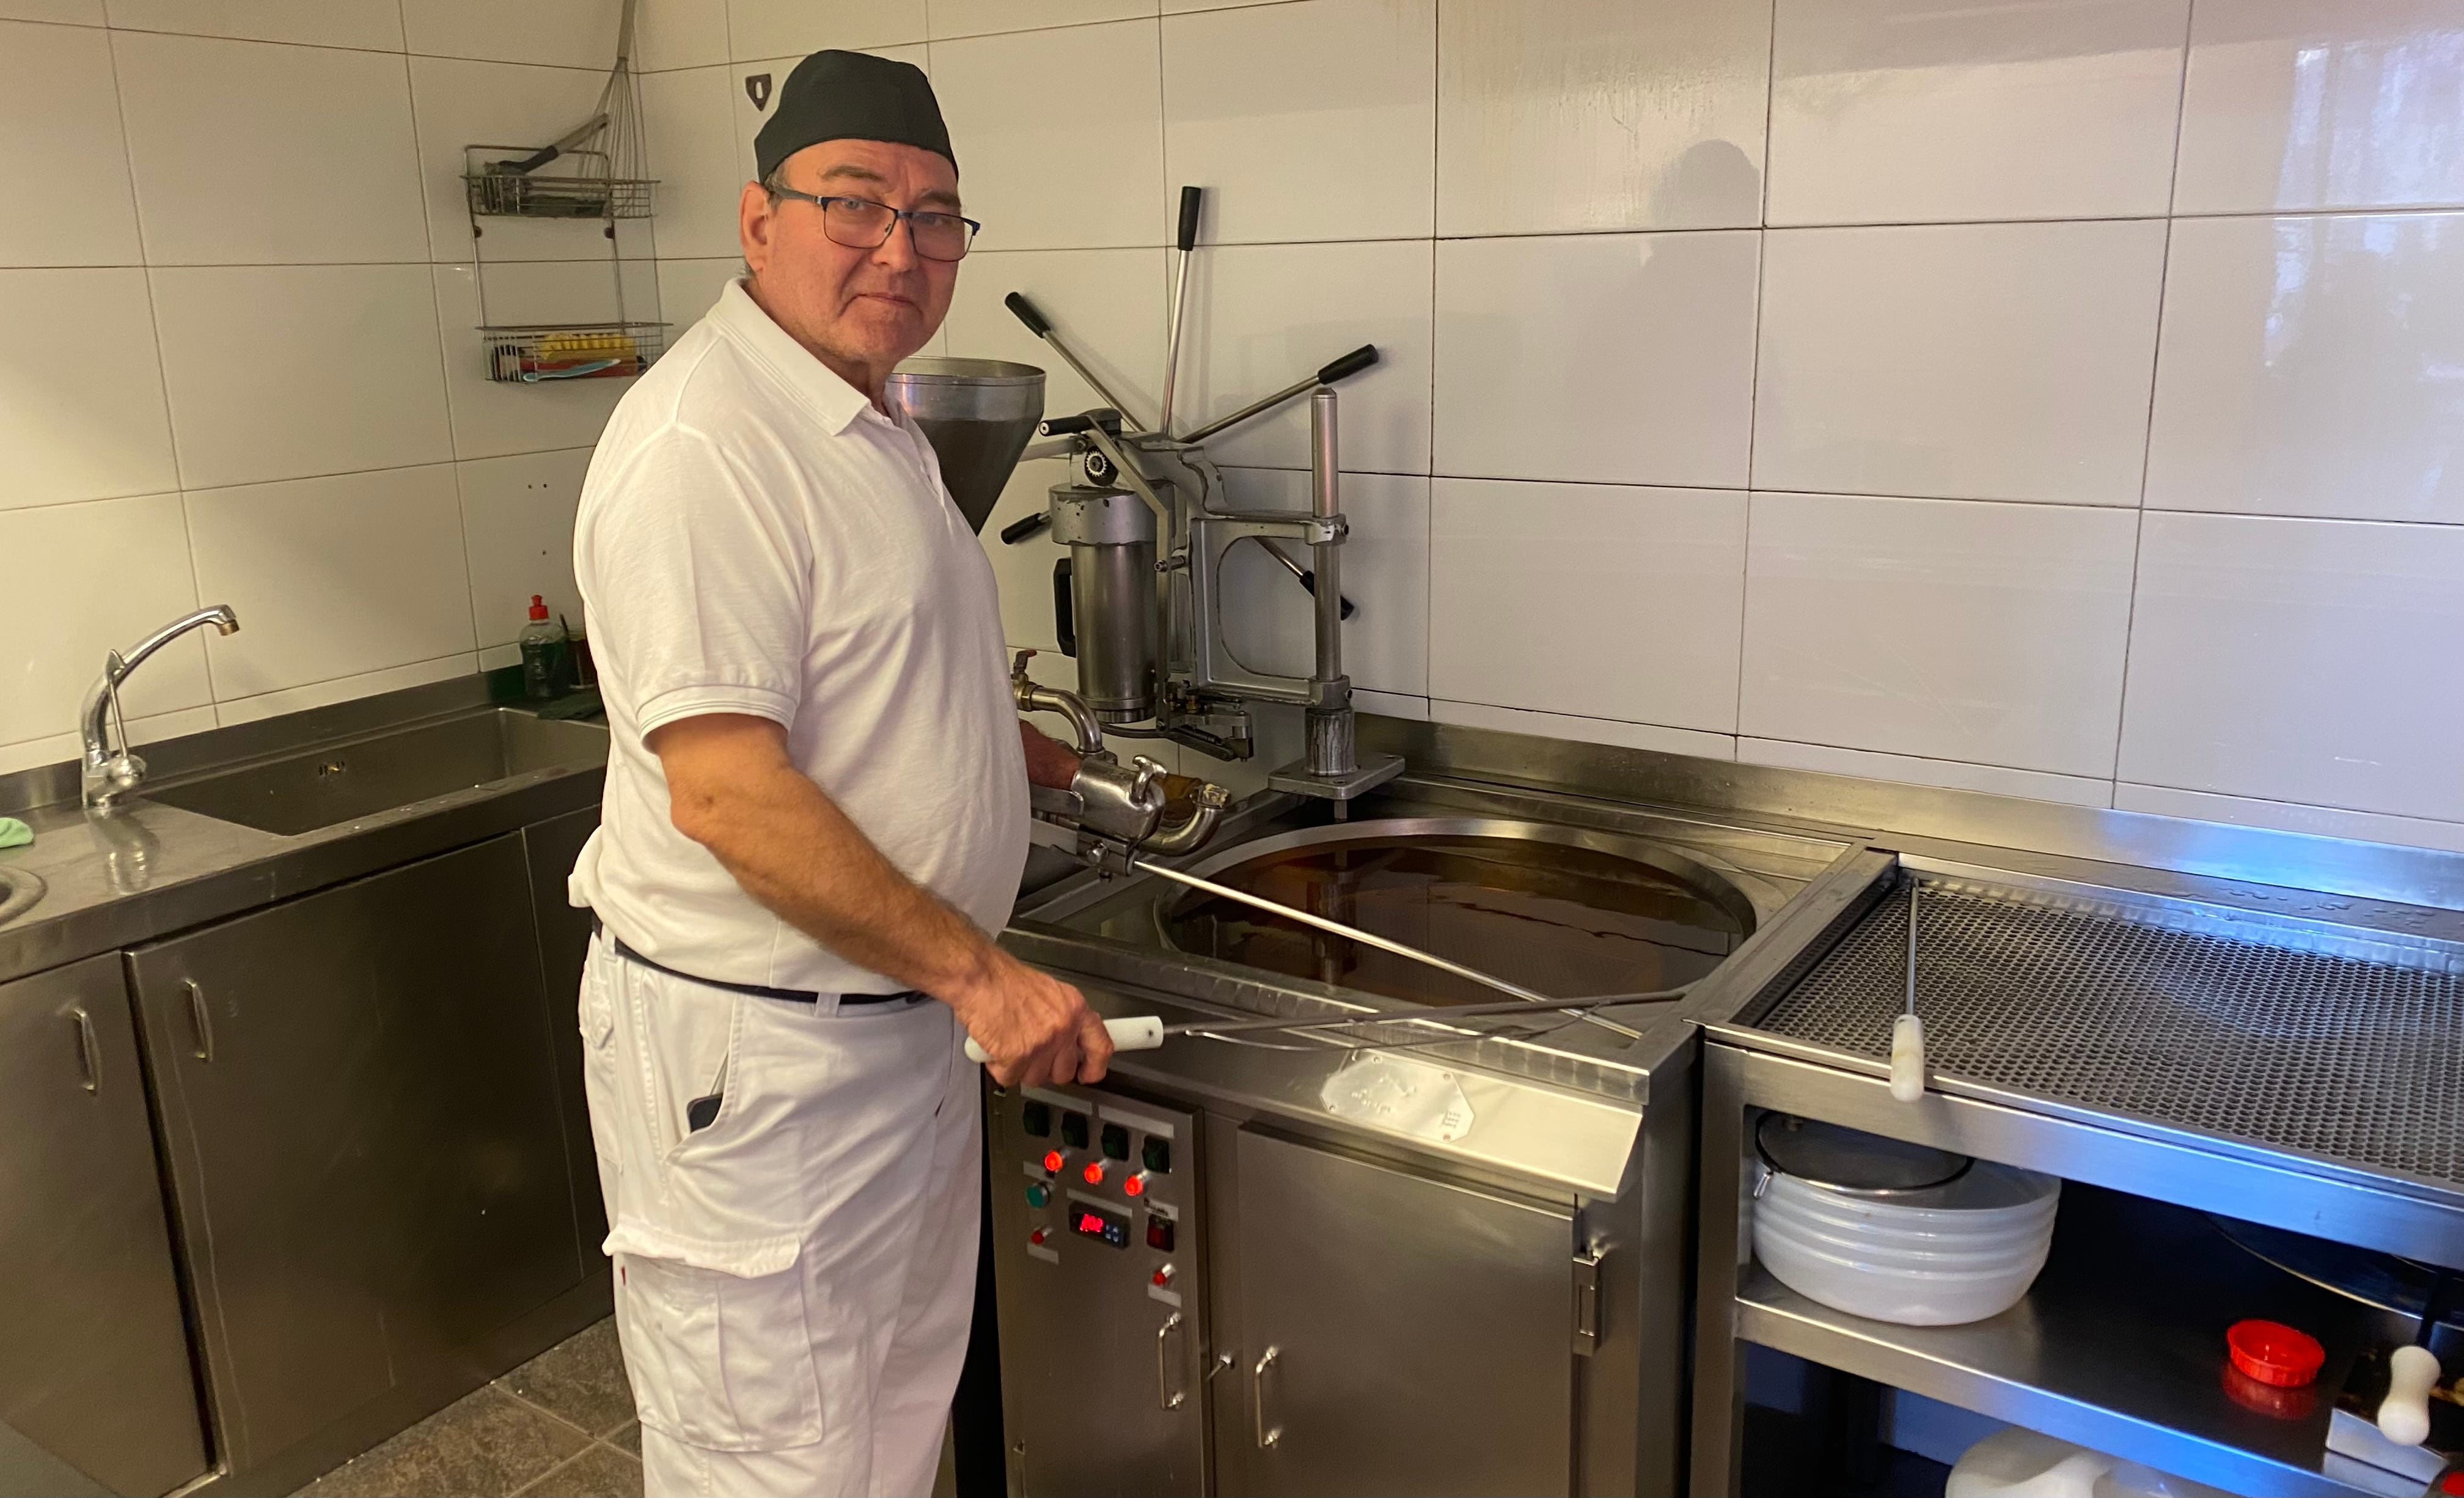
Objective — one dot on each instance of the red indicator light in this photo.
(1053, 1161)
(1094, 1173)
(1163, 1276)
(1135, 1185)
(1038, 1236)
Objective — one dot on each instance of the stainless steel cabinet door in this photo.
(1398, 1335)
(551, 847)
(359, 1100)
(94, 1357)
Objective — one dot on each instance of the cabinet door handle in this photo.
(201, 1019)
(1164, 1391)
(89, 1054)
(1267, 1435)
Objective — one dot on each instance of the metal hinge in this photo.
(1587, 1302)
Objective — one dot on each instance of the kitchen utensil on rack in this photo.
(1907, 1031)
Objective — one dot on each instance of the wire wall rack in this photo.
(558, 183)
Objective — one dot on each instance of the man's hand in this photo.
(1037, 1029)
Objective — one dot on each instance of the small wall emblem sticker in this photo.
(756, 88)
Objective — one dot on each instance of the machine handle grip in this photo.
(1065, 618)
(1349, 364)
(1016, 302)
(1908, 1058)
(1138, 1032)
(89, 1054)
(1308, 581)
(1102, 417)
(1267, 1435)
(1018, 530)
(1170, 1398)
(1189, 201)
(2405, 1418)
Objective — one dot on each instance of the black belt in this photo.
(750, 990)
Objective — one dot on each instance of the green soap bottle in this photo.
(544, 652)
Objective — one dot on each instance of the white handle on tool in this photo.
(1908, 1058)
(2405, 1418)
(1140, 1033)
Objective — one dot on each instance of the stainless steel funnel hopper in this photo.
(978, 414)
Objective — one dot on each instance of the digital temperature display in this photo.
(1093, 1221)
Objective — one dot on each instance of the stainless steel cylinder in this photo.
(1112, 598)
(1330, 750)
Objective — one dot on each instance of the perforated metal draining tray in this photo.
(2335, 1047)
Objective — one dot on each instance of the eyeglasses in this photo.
(862, 224)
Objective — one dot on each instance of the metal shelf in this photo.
(2119, 1346)
(533, 354)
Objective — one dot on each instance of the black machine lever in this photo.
(1021, 529)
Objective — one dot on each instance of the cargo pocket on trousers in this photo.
(717, 1339)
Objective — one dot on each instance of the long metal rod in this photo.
(1470, 1011)
(1296, 389)
(1052, 335)
(1387, 944)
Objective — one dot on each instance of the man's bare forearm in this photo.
(795, 851)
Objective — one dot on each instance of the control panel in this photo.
(1096, 1243)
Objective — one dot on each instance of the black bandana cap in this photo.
(852, 96)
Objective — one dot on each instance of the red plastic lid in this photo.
(539, 606)
(2274, 1353)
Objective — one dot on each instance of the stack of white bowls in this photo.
(1939, 1257)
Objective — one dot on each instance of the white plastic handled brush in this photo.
(1139, 1032)
(1907, 1031)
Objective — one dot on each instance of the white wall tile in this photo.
(283, 371)
(569, 33)
(2313, 365)
(1600, 114)
(688, 289)
(751, 115)
(1585, 730)
(253, 153)
(64, 193)
(1270, 622)
(2322, 105)
(1990, 361)
(780, 28)
(2288, 817)
(1059, 135)
(67, 13)
(458, 103)
(977, 17)
(324, 23)
(680, 34)
(690, 124)
(1913, 111)
(491, 419)
(1986, 633)
(1390, 704)
(105, 575)
(234, 710)
(1609, 358)
(517, 525)
(332, 577)
(1109, 304)
(64, 748)
(2314, 661)
(1993, 780)
(1183, 6)
(1589, 599)
(1261, 317)
(80, 389)
(1314, 121)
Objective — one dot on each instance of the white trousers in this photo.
(794, 1281)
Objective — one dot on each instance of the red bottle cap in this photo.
(539, 606)
(2275, 1354)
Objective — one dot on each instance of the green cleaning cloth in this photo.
(14, 833)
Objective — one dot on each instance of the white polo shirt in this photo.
(756, 538)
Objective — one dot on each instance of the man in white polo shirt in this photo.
(815, 817)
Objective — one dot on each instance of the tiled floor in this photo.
(559, 1426)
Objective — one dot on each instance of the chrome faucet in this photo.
(105, 776)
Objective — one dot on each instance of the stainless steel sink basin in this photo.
(359, 778)
(18, 893)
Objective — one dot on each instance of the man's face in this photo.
(855, 309)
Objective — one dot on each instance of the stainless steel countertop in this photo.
(151, 868)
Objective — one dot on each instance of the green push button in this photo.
(1037, 1193)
